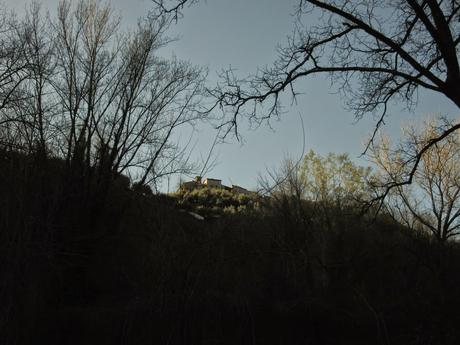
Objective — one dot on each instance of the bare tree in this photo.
(13, 73)
(86, 56)
(102, 99)
(172, 8)
(432, 202)
(37, 109)
(374, 52)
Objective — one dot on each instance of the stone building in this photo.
(191, 185)
(211, 183)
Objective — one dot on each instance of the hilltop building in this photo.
(198, 183)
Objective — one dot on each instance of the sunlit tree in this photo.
(332, 181)
(433, 200)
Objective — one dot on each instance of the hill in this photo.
(85, 260)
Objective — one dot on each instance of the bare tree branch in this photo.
(434, 198)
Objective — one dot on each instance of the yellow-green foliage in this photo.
(334, 178)
(217, 201)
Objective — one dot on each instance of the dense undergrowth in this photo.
(216, 202)
(84, 259)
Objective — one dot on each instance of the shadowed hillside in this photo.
(91, 262)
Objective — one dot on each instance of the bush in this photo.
(217, 201)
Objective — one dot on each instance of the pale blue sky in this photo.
(244, 34)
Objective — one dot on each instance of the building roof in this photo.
(198, 183)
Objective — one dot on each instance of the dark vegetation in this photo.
(89, 255)
(87, 262)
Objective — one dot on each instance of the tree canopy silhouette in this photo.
(75, 86)
(374, 53)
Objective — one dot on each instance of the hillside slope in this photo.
(82, 262)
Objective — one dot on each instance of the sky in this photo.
(244, 34)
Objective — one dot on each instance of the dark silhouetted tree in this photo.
(374, 52)
(94, 95)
